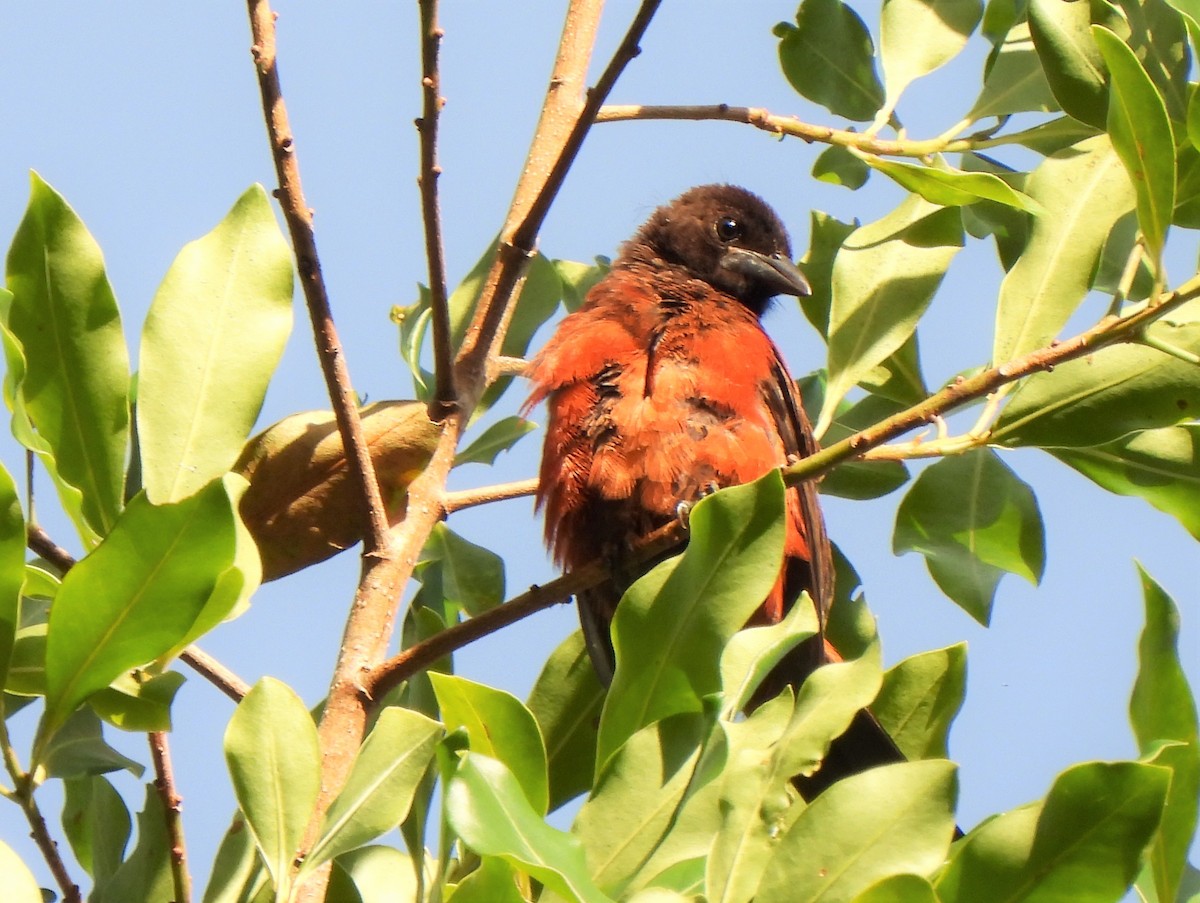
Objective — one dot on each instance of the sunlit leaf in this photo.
(17, 884)
(899, 889)
(826, 234)
(952, 188)
(918, 36)
(919, 699)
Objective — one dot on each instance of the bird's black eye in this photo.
(728, 228)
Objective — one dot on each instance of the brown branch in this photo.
(40, 543)
(764, 119)
(421, 655)
(427, 126)
(38, 829)
(164, 784)
(469, 498)
(298, 216)
(1109, 331)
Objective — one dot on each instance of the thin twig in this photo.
(468, 498)
(38, 829)
(427, 127)
(300, 226)
(164, 784)
(40, 543)
(789, 125)
(1109, 331)
(400, 667)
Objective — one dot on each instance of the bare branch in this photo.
(468, 498)
(427, 126)
(38, 829)
(300, 225)
(164, 784)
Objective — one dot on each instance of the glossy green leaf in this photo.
(1141, 135)
(1161, 466)
(1118, 390)
(489, 812)
(837, 166)
(828, 57)
(920, 698)
(918, 36)
(499, 437)
(498, 726)
(466, 575)
(1072, 63)
(973, 519)
(493, 882)
(826, 235)
(951, 187)
(1162, 708)
(1084, 190)
(897, 818)
(146, 874)
(884, 277)
(215, 331)
(274, 759)
(565, 701)
(75, 386)
(134, 597)
(636, 798)
(1014, 81)
(17, 884)
(668, 633)
(97, 825)
(1082, 844)
(140, 703)
(377, 794)
(12, 567)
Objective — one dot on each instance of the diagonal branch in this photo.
(427, 127)
(296, 212)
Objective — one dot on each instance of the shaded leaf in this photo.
(140, 703)
(1014, 81)
(838, 166)
(238, 874)
(79, 749)
(578, 278)
(1114, 260)
(1055, 135)
(826, 234)
(828, 57)
(1073, 65)
(275, 762)
(215, 331)
(920, 698)
(75, 384)
(952, 188)
(97, 825)
(973, 519)
(498, 437)
(12, 568)
(461, 574)
(146, 874)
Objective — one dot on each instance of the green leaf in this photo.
(465, 575)
(918, 36)
(1118, 390)
(1055, 135)
(826, 237)
(899, 889)
(951, 187)
(635, 801)
(215, 331)
(565, 701)
(412, 323)
(884, 277)
(578, 278)
(1009, 227)
(671, 626)
(897, 818)
(972, 518)
(1082, 844)
(146, 874)
(1158, 36)
(78, 748)
(274, 759)
(1122, 242)
(498, 726)
(96, 824)
(379, 791)
(1162, 708)
(1084, 190)
(1073, 65)
(134, 597)
(1141, 135)
(838, 166)
(828, 57)
(238, 874)
(17, 884)
(488, 810)
(899, 377)
(12, 568)
(1161, 466)
(1193, 120)
(493, 882)
(920, 698)
(1014, 81)
(75, 387)
(141, 703)
(498, 437)
(750, 654)
(377, 873)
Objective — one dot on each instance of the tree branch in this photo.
(427, 127)
(164, 784)
(23, 793)
(298, 216)
(468, 498)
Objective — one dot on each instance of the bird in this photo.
(662, 387)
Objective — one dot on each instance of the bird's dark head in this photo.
(729, 238)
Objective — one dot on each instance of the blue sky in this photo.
(150, 126)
